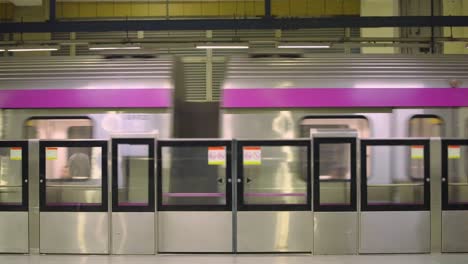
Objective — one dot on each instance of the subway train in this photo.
(314, 154)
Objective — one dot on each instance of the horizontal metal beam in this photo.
(218, 24)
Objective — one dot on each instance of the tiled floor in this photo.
(241, 259)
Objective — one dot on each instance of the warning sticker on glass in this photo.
(417, 152)
(216, 155)
(51, 153)
(252, 156)
(15, 153)
(454, 152)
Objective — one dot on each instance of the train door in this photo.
(14, 199)
(454, 195)
(194, 196)
(334, 193)
(133, 196)
(395, 215)
(274, 196)
(74, 217)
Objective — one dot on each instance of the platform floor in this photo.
(241, 259)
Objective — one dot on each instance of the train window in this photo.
(390, 187)
(334, 156)
(426, 126)
(59, 128)
(423, 126)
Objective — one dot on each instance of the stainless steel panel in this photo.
(331, 71)
(454, 231)
(274, 231)
(133, 233)
(74, 233)
(14, 229)
(33, 196)
(436, 195)
(395, 232)
(335, 233)
(194, 231)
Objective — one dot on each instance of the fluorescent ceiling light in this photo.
(223, 46)
(304, 46)
(115, 47)
(33, 48)
(2, 50)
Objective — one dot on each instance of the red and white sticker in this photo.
(16, 153)
(51, 153)
(252, 155)
(417, 152)
(216, 155)
(454, 152)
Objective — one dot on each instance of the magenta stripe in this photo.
(85, 98)
(133, 204)
(274, 194)
(344, 97)
(74, 204)
(193, 194)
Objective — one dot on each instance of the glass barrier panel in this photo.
(390, 181)
(275, 175)
(193, 175)
(133, 175)
(457, 174)
(335, 174)
(73, 176)
(11, 176)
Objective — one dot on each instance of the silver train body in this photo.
(96, 98)
(327, 96)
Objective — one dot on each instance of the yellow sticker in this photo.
(16, 153)
(216, 155)
(417, 152)
(252, 155)
(51, 153)
(454, 152)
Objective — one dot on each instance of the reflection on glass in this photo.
(10, 178)
(280, 177)
(73, 176)
(335, 174)
(391, 183)
(133, 175)
(189, 179)
(457, 174)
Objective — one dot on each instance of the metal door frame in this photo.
(14, 217)
(93, 213)
(217, 217)
(128, 214)
(453, 215)
(266, 212)
(420, 215)
(343, 219)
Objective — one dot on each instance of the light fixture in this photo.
(292, 45)
(115, 47)
(2, 50)
(228, 45)
(22, 48)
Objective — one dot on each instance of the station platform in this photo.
(240, 259)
